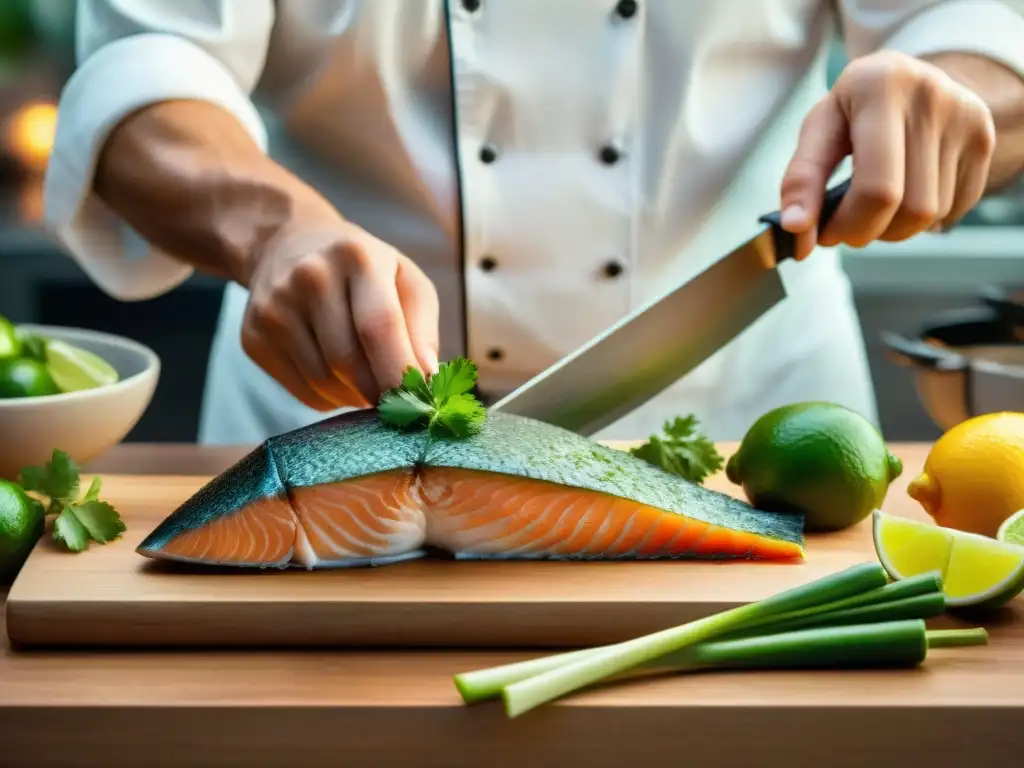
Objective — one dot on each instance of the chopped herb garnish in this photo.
(682, 450)
(442, 404)
(78, 520)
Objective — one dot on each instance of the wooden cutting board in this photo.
(109, 595)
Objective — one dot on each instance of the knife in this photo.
(657, 344)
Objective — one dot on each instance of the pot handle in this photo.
(1008, 309)
(918, 353)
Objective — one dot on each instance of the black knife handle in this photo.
(785, 242)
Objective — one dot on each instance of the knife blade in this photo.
(653, 347)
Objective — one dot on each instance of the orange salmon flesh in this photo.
(463, 511)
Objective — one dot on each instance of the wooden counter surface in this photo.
(355, 708)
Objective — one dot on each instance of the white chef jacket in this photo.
(550, 164)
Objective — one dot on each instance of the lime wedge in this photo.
(1012, 529)
(10, 344)
(74, 369)
(975, 570)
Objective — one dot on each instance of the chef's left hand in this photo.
(921, 144)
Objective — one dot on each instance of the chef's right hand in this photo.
(336, 315)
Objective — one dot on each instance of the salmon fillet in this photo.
(350, 492)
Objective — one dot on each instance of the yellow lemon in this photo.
(973, 478)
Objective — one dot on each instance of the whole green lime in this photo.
(820, 459)
(21, 525)
(25, 377)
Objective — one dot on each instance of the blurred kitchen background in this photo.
(898, 286)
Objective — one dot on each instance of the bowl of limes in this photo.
(71, 389)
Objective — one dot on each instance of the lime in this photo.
(74, 369)
(21, 524)
(976, 570)
(820, 459)
(23, 377)
(32, 345)
(1012, 529)
(10, 343)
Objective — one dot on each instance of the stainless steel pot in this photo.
(1008, 303)
(965, 363)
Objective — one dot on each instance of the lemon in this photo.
(973, 477)
(1012, 529)
(820, 459)
(10, 344)
(21, 524)
(976, 570)
(74, 369)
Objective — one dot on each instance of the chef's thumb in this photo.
(823, 143)
(420, 306)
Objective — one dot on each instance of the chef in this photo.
(506, 178)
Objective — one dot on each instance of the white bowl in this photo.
(83, 424)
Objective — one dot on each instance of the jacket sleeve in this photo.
(133, 53)
(990, 28)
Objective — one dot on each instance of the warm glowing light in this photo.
(30, 202)
(30, 133)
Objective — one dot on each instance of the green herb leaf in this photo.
(442, 404)
(32, 478)
(682, 450)
(58, 479)
(413, 381)
(94, 489)
(461, 416)
(404, 409)
(76, 520)
(99, 519)
(453, 378)
(68, 529)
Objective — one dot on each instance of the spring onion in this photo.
(526, 694)
(884, 644)
(482, 684)
(917, 607)
(922, 584)
(866, 578)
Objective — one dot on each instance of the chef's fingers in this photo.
(973, 166)
(335, 332)
(281, 326)
(919, 207)
(419, 301)
(823, 143)
(879, 165)
(269, 357)
(318, 287)
(307, 353)
(972, 179)
(949, 169)
(379, 319)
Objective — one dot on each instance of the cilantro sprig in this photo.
(682, 450)
(78, 519)
(441, 403)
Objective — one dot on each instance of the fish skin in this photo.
(252, 478)
(357, 444)
(345, 446)
(524, 447)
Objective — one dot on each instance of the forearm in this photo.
(190, 179)
(1003, 91)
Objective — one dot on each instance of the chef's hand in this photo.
(336, 315)
(921, 145)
